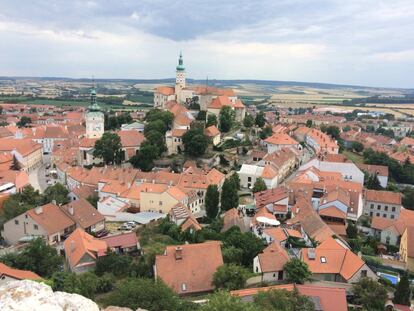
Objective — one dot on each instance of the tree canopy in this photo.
(211, 120)
(259, 185)
(230, 277)
(260, 119)
(195, 142)
(229, 195)
(283, 300)
(402, 294)
(212, 201)
(144, 159)
(24, 121)
(108, 148)
(297, 271)
(58, 193)
(248, 121)
(370, 294)
(37, 257)
(226, 119)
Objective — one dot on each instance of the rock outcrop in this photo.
(32, 296)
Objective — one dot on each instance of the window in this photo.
(36, 227)
(249, 179)
(323, 259)
(371, 214)
(392, 216)
(364, 273)
(378, 214)
(393, 208)
(384, 215)
(16, 222)
(160, 203)
(386, 208)
(372, 206)
(379, 207)
(183, 287)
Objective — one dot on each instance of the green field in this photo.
(354, 157)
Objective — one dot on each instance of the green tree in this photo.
(211, 120)
(370, 294)
(195, 142)
(157, 139)
(373, 183)
(232, 254)
(93, 200)
(221, 301)
(212, 201)
(266, 132)
(24, 121)
(402, 294)
(250, 244)
(143, 293)
(351, 230)
(165, 116)
(88, 284)
(408, 198)
(260, 119)
(37, 257)
(248, 121)
(58, 193)
(21, 202)
(226, 119)
(156, 125)
(283, 300)
(235, 178)
(357, 146)
(113, 263)
(108, 148)
(333, 131)
(230, 277)
(297, 271)
(229, 195)
(144, 159)
(309, 123)
(259, 185)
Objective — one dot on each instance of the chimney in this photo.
(71, 211)
(38, 210)
(54, 202)
(178, 253)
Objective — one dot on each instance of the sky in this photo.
(360, 42)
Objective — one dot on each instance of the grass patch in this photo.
(354, 157)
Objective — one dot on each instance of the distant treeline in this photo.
(408, 99)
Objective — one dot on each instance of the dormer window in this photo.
(184, 287)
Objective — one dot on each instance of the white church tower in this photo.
(179, 79)
(94, 119)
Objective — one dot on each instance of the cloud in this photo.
(358, 42)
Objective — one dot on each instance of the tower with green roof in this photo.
(95, 118)
(179, 78)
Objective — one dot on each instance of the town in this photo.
(204, 202)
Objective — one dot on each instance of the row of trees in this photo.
(158, 123)
(29, 198)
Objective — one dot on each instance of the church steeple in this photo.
(93, 106)
(180, 66)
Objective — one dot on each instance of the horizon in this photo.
(362, 44)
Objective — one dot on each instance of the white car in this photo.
(131, 224)
(125, 227)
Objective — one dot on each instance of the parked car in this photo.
(125, 227)
(132, 224)
(102, 233)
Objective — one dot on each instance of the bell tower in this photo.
(179, 78)
(94, 118)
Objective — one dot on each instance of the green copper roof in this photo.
(93, 105)
(180, 66)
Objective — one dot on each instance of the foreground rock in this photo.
(32, 296)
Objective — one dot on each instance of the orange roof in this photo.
(176, 193)
(190, 222)
(215, 177)
(51, 218)
(281, 139)
(383, 196)
(211, 131)
(17, 274)
(269, 172)
(87, 142)
(273, 258)
(178, 132)
(80, 243)
(330, 298)
(332, 258)
(408, 141)
(238, 104)
(83, 213)
(332, 211)
(165, 90)
(24, 146)
(131, 138)
(189, 268)
(380, 170)
(219, 102)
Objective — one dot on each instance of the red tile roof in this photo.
(17, 274)
(281, 139)
(383, 196)
(273, 258)
(189, 268)
(51, 218)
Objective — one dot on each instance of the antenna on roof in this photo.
(206, 84)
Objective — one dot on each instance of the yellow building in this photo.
(407, 248)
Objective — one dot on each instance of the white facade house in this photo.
(250, 173)
(348, 170)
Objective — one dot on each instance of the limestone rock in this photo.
(32, 296)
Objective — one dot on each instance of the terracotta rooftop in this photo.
(17, 274)
(379, 170)
(273, 258)
(83, 213)
(383, 196)
(211, 131)
(189, 268)
(281, 139)
(51, 218)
